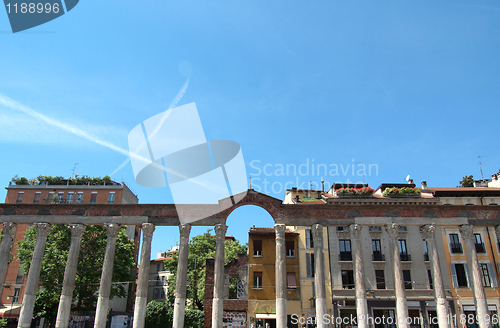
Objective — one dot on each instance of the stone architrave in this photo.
(429, 233)
(64, 308)
(467, 232)
(181, 282)
(106, 276)
(280, 276)
(8, 235)
(399, 288)
(141, 298)
(359, 279)
(217, 307)
(42, 231)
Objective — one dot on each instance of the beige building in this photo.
(158, 278)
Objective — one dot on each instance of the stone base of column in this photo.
(401, 317)
(281, 313)
(26, 311)
(179, 312)
(321, 310)
(362, 313)
(140, 311)
(217, 311)
(101, 313)
(63, 311)
(442, 312)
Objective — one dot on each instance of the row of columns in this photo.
(77, 230)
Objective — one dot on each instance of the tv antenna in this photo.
(364, 171)
(481, 165)
(74, 168)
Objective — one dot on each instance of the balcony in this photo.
(480, 248)
(405, 257)
(456, 248)
(378, 257)
(345, 256)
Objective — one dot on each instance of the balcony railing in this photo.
(378, 257)
(456, 248)
(480, 248)
(405, 257)
(348, 286)
(345, 256)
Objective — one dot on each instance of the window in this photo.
(375, 229)
(377, 250)
(15, 296)
(478, 242)
(93, 198)
(290, 248)
(158, 293)
(345, 250)
(60, 197)
(403, 250)
(407, 279)
(38, 196)
(455, 245)
(20, 196)
(426, 251)
(380, 279)
(310, 264)
(309, 239)
(257, 247)
(347, 279)
(111, 198)
(403, 229)
(79, 198)
(459, 275)
(429, 276)
(70, 198)
(488, 274)
(342, 228)
(291, 281)
(257, 280)
(50, 197)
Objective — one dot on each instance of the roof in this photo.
(263, 231)
(462, 191)
(161, 259)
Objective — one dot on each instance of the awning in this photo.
(265, 316)
(10, 311)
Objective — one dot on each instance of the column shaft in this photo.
(319, 275)
(280, 276)
(467, 232)
(217, 307)
(181, 282)
(359, 279)
(437, 279)
(28, 304)
(399, 288)
(141, 298)
(64, 309)
(106, 276)
(8, 235)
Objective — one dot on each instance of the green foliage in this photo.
(3, 322)
(89, 266)
(400, 191)
(194, 318)
(158, 315)
(364, 191)
(46, 305)
(58, 180)
(308, 200)
(468, 181)
(201, 248)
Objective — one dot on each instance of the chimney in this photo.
(297, 198)
(322, 186)
(424, 184)
(410, 181)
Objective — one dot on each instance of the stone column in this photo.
(8, 235)
(217, 307)
(181, 282)
(42, 231)
(141, 298)
(467, 232)
(399, 288)
(429, 233)
(359, 279)
(64, 309)
(280, 276)
(319, 275)
(107, 273)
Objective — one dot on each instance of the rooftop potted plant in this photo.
(401, 192)
(355, 192)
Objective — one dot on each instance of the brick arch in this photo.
(270, 204)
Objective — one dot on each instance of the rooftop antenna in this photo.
(250, 182)
(74, 168)
(481, 165)
(364, 173)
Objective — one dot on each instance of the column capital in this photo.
(428, 231)
(220, 230)
(42, 229)
(184, 230)
(355, 230)
(148, 229)
(76, 230)
(280, 230)
(393, 230)
(8, 228)
(113, 229)
(317, 230)
(467, 231)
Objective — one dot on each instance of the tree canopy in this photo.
(88, 270)
(467, 181)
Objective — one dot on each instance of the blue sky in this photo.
(410, 87)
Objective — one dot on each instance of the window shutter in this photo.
(453, 275)
(493, 276)
(466, 267)
(308, 238)
(308, 265)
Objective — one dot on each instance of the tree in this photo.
(467, 181)
(88, 270)
(158, 315)
(201, 248)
